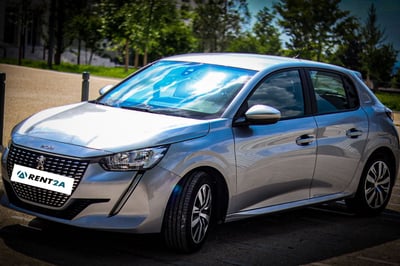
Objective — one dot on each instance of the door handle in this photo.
(304, 140)
(353, 133)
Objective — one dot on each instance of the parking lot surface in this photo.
(322, 235)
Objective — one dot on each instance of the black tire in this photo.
(375, 188)
(187, 218)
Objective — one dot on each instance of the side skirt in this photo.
(286, 206)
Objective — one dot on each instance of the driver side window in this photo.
(282, 91)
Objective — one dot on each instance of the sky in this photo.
(388, 15)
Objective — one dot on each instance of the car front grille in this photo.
(74, 207)
(54, 164)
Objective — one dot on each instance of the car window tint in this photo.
(333, 92)
(282, 91)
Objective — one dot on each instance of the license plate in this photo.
(42, 179)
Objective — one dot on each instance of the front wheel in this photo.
(375, 187)
(188, 215)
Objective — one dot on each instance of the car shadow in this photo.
(290, 238)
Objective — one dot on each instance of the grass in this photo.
(112, 72)
(391, 100)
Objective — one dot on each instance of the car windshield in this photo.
(185, 89)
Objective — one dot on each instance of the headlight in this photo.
(134, 160)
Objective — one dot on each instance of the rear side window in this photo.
(333, 92)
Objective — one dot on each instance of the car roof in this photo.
(248, 61)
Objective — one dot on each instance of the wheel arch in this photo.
(389, 155)
(372, 198)
(222, 193)
(221, 190)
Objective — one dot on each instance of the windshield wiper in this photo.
(99, 103)
(139, 107)
(171, 111)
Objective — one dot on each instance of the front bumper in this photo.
(116, 201)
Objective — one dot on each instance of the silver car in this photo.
(193, 140)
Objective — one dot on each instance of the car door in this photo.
(275, 162)
(342, 132)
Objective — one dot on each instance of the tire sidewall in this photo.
(202, 179)
(177, 229)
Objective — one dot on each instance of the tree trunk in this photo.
(78, 61)
(60, 32)
(126, 55)
(86, 60)
(22, 29)
(90, 57)
(149, 21)
(34, 31)
(136, 64)
(21, 48)
(145, 56)
(51, 33)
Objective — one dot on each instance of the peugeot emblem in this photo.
(40, 160)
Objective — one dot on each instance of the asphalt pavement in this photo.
(323, 235)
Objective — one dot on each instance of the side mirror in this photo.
(262, 114)
(105, 89)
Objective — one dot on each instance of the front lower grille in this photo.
(73, 168)
(74, 207)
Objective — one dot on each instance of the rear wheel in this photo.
(188, 215)
(375, 187)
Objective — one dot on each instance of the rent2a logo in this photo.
(38, 178)
(42, 179)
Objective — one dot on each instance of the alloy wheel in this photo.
(377, 184)
(201, 213)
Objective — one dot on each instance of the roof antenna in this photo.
(297, 56)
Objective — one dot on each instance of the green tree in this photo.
(350, 47)
(62, 16)
(395, 81)
(168, 32)
(24, 14)
(266, 33)
(349, 54)
(377, 57)
(245, 43)
(65, 11)
(84, 27)
(313, 26)
(174, 38)
(141, 26)
(217, 22)
(264, 38)
(93, 38)
(122, 22)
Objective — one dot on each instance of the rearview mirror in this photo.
(262, 114)
(105, 89)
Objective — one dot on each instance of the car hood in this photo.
(108, 128)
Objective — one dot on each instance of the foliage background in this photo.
(136, 32)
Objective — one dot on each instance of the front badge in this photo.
(40, 160)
